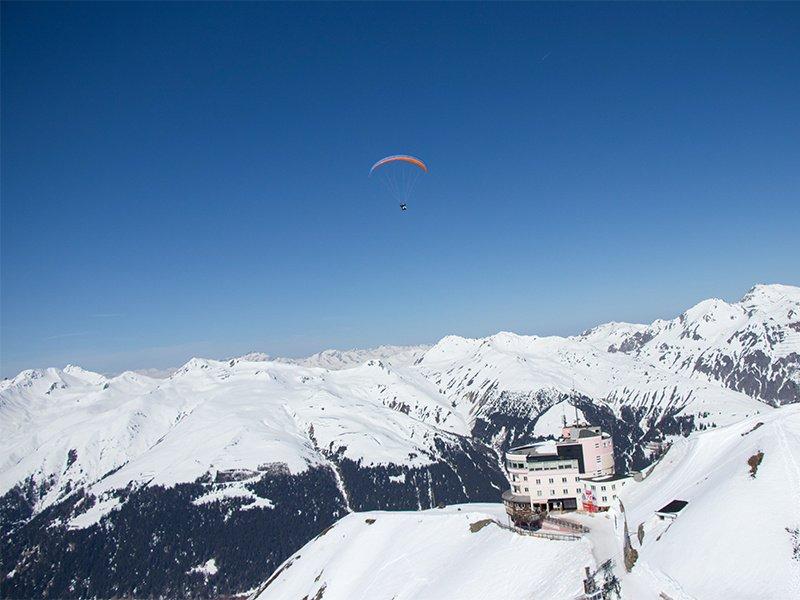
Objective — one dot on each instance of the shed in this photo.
(671, 510)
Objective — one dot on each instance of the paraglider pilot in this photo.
(399, 182)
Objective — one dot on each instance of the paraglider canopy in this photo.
(399, 174)
(413, 160)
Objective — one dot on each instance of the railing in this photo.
(566, 524)
(552, 535)
(548, 535)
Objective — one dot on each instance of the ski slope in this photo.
(430, 554)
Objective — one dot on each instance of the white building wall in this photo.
(602, 494)
(545, 481)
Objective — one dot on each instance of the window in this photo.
(577, 490)
(525, 478)
(613, 486)
(566, 492)
(594, 488)
(597, 445)
(550, 480)
(576, 480)
(538, 481)
(526, 489)
(539, 493)
(596, 459)
(516, 488)
(605, 498)
(563, 480)
(552, 492)
(602, 488)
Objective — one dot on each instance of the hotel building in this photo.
(551, 475)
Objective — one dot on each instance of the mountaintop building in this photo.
(563, 474)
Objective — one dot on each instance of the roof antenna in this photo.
(575, 402)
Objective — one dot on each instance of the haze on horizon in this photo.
(191, 179)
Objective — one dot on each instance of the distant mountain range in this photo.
(244, 460)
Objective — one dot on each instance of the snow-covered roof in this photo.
(547, 448)
(607, 478)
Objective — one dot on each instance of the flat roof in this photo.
(512, 497)
(673, 507)
(605, 478)
(547, 448)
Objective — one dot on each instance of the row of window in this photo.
(540, 467)
(538, 481)
(565, 491)
(603, 488)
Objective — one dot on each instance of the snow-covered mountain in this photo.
(334, 360)
(752, 346)
(217, 453)
(738, 536)
(712, 365)
(280, 448)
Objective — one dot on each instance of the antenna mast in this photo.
(575, 402)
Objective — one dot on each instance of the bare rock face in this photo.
(751, 346)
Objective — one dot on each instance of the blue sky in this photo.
(191, 179)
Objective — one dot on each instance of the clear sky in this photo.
(191, 179)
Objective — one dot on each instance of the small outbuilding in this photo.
(671, 510)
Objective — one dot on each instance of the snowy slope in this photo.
(738, 521)
(427, 555)
(211, 416)
(734, 539)
(343, 359)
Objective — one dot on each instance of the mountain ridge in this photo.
(86, 457)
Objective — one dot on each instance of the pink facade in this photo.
(551, 475)
(598, 449)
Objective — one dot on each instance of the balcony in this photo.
(519, 510)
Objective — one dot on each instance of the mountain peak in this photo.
(771, 294)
